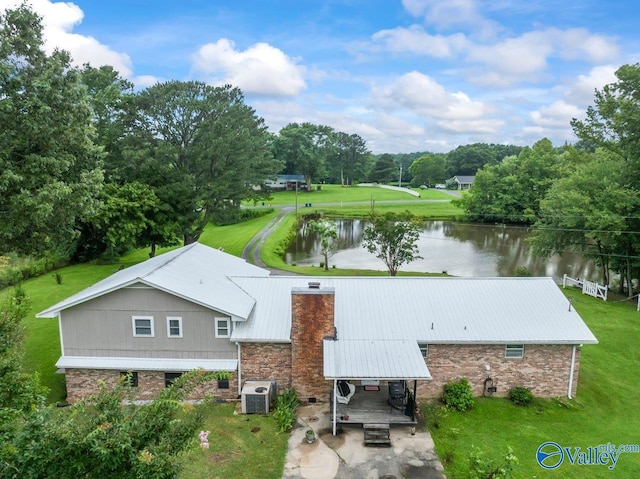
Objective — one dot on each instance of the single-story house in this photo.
(287, 183)
(197, 307)
(464, 182)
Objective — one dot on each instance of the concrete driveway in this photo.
(344, 456)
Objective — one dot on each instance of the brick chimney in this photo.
(312, 320)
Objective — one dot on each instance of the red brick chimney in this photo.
(312, 313)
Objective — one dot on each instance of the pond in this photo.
(460, 249)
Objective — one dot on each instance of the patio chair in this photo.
(345, 392)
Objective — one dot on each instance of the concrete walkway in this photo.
(344, 456)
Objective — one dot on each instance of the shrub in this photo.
(285, 411)
(521, 396)
(482, 468)
(458, 395)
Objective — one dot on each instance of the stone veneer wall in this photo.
(266, 362)
(85, 382)
(312, 314)
(544, 369)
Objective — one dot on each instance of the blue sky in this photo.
(411, 75)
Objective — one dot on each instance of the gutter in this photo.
(573, 363)
(239, 369)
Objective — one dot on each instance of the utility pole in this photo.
(400, 180)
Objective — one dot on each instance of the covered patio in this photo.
(381, 376)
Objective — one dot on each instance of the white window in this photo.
(142, 326)
(514, 351)
(424, 349)
(223, 327)
(174, 327)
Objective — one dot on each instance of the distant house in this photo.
(464, 182)
(287, 183)
(197, 307)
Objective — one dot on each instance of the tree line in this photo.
(583, 198)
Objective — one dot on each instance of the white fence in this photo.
(588, 287)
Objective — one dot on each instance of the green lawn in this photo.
(241, 446)
(604, 411)
(337, 193)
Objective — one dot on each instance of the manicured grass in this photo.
(604, 411)
(337, 193)
(241, 446)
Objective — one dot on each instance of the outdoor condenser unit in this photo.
(256, 397)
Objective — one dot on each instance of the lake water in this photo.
(460, 249)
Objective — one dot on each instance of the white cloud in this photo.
(444, 13)
(144, 81)
(416, 40)
(526, 57)
(583, 89)
(556, 115)
(513, 59)
(578, 43)
(260, 69)
(58, 21)
(422, 94)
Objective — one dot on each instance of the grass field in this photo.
(330, 194)
(605, 409)
(241, 447)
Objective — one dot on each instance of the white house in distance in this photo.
(464, 182)
(197, 307)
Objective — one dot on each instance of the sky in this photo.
(405, 75)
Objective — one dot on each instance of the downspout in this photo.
(239, 369)
(573, 362)
(335, 405)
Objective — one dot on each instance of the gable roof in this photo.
(429, 310)
(194, 272)
(464, 179)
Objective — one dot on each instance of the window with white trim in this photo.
(514, 351)
(424, 349)
(174, 327)
(223, 327)
(142, 326)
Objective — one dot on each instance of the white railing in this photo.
(588, 287)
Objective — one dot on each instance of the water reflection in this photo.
(457, 248)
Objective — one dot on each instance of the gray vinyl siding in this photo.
(103, 327)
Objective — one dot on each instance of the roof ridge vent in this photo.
(314, 284)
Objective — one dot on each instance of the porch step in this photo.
(376, 435)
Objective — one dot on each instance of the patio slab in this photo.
(345, 456)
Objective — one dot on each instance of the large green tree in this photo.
(384, 170)
(209, 146)
(304, 149)
(428, 169)
(350, 159)
(50, 170)
(613, 122)
(588, 212)
(392, 238)
(511, 191)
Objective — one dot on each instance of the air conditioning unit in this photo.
(257, 396)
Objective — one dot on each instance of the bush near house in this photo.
(458, 395)
(521, 396)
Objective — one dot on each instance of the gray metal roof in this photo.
(429, 310)
(379, 359)
(194, 272)
(146, 364)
